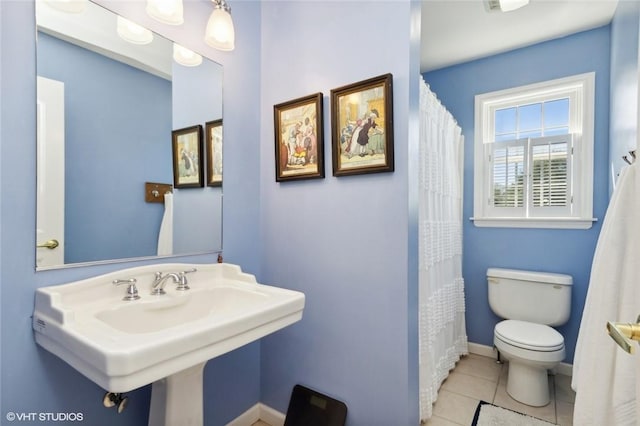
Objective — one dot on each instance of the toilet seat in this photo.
(529, 336)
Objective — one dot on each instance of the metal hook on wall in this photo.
(633, 157)
(154, 192)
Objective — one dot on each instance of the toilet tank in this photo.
(539, 297)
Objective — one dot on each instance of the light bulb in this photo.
(132, 32)
(186, 57)
(220, 32)
(69, 6)
(166, 11)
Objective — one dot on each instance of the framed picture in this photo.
(362, 127)
(187, 157)
(299, 140)
(213, 132)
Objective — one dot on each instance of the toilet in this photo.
(530, 303)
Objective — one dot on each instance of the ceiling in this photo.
(456, 31)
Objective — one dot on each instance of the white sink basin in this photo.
(123, 345)
(157, 313)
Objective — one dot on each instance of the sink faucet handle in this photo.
(183, 285)
(132, 290)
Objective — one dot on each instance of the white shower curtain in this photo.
(443, 337)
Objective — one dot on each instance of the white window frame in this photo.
(580, 89)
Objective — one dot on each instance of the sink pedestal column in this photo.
(178, 399)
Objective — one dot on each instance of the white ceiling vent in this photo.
(504, 5)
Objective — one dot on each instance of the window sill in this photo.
(538, 222)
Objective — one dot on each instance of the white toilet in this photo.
(530, 302)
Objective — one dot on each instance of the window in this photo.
(534, 155)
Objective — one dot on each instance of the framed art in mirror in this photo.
(213, 132)
(362, 127)
(135, 136)
(187, 157)
(299, 139)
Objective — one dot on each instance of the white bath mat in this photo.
(491, 415)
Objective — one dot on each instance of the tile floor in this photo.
(478, 378)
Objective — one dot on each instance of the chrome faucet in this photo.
(157, 288)
(183, 284)
(132, 290)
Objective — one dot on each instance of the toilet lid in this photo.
(528, 335)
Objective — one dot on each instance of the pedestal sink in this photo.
(165, 339)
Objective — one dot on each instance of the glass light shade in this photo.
(509, 5)
(220, 32)
(166, 11)
(186, 57)
(69, 6)
(132, 32)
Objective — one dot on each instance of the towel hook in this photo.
(154, 192)
(633, 157)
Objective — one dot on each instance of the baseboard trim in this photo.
(488, 351)
(483, 350)
(271, 416)
(259, 412)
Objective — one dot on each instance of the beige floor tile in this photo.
(563, 389)
(471, 386)
(439, 421)
(479, 366)
(504, 374)
(564, 413)
(455, 407)
(502, 399)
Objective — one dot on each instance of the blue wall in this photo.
(358, 338)
(34, 380)
(563, 251)
(348, 243)
(197, 99)
(624, 85)
(95, 142)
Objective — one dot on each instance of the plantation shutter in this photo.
(508, 186)
(531, 176)
(550, 175)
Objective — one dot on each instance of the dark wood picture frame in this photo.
(187, 157)
(362, 127)
(299, 140)
(213, 137)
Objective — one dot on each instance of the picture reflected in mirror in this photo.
(106, 110)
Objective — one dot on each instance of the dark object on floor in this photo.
(503, 416)
(310, 408)
(477, 414)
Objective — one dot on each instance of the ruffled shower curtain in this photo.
(443, 337)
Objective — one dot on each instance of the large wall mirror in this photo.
(106, 111)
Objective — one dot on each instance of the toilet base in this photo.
(528, 385)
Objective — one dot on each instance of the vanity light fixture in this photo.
(132, 32)
(504, 5)
(186, 57)
(69, 6)
(220, 32)
(166, 11)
